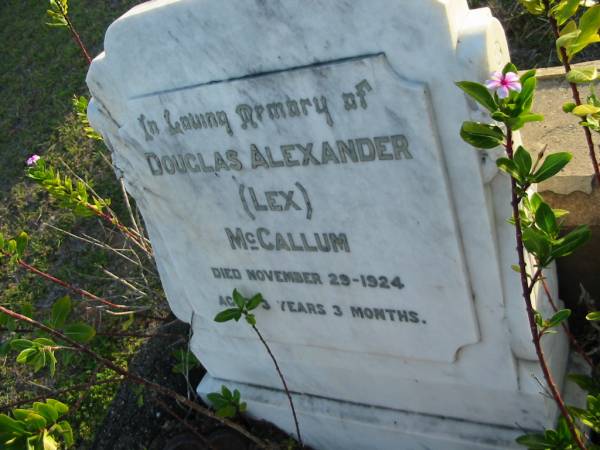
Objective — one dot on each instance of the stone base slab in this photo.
(328, 424)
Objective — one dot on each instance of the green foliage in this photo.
(582, 75)
(57, 13)
(575, 37)
(546, 324)
(71, 195)
(558, 439)
(226, 403)
(37, 353)
(243, 306)
(514, 111)
(535, 7)
(36, 428)
(14, 248)
(80, 105)
(186, 361)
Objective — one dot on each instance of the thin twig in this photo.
(287, 391)
(136, 378)
(572, 338)
(74, 34)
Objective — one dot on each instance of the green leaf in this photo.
(21, 241)
(569, 243)
(238, 299)
(11, 425)
(508, 166)
(254, 302)
(523, 162)
(568, 107)
(60, 311)
(585, 109)
(38, 361)
(585, 382)
(534, 442)
(216, 400)
(551, 166)
(509, 67)
(559, 317)
(27, 355)
(20, 344)
(589, 24)
(538, 244)
(67, 432)
(47, 411)
(525, 97)
(227, 411)
(228, 314)
(35, 422)
(545, 220)
(593, 316)
(535, 7)
(583, 75)
(479, 93)
(226, 392)
(565, 10)
(251, 319)
(481, 135)
(80, 332)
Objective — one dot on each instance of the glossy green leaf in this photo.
(49, 443)
(525, 98)
(228, 314)
(508, 166)
(569, 243)
(238, 299)
(545, 220)
(553, 164)
(27, 355)
(538, 244)
(481, 135)
(66, 432)
(593, 316)
(479, 93)
(585, 109)
(254, 302)
(583, 75)
(535, 7)
(47, 411)
(568, 107)
(559, 317)
(564, 10)
(251, 319)
(523, 162)
(8, 424)
(509, 67)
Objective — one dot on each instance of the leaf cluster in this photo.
(227, 403)
(14, 248)
(71, 195)
(514, 111)
(542, 235)
(80, 105)
(36, 428)
(574, 37)
(243, 306)
(58, 13)
(40, 351)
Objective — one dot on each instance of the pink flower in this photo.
(503, 83)
(32, 160)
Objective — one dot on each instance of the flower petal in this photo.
(497, 75)
(492, 84)
(502, 92)
(511, 77)
(514, 86)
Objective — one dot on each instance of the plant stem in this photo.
(287, 391)
(572, 338)
(74, 34)
(136, 378)
(527, 297)
(574, 91)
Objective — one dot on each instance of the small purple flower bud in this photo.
(32, 160)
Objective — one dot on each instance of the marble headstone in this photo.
(310, 151)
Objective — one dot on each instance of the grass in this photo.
(41, 69)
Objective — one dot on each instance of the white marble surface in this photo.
(421, 205)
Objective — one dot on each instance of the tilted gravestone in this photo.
(310, 151)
